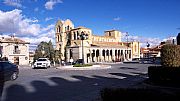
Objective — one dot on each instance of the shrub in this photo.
(159, 73)
(82, 65)
(178, 39)
(137, 94)
(170, 55)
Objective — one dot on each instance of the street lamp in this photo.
(148, 45)
(43, 51)
(60, 44)
(127, 45)
(82, 37)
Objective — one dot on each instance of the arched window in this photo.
(110, 52)
(74, 35)
(109, 33)
(104, 53)
(68, 28)
(107, 53)
(59, 29)
(121, 52)
(58, 38)
(97, 53)
(77, 35)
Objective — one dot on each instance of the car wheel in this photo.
(14, 76)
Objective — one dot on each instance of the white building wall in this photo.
(8, 51)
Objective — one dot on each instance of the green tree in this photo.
(48, 49)
(51, 51)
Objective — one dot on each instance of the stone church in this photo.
(80, 43)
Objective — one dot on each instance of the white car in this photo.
(42, 62)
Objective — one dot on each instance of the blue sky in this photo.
(150, 21)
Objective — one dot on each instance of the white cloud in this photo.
(34, 41)
(49, 4)
(31, 20)
(25, 28)
(15, 3)
(142, 40)
(49, 27)
(169, 38)
(11, 18)
(117, 19)
(36, 9)
(17, 23)
(48, 18)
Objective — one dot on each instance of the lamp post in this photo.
(43, 51)
(148, 45)
(1, 50)
(127, 45)
(60, 44)
(82, 37)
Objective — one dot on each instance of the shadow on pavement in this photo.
(81, 88)
(1, 88)
(2, 80)
(128, 68)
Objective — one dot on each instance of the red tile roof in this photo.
(13, 40)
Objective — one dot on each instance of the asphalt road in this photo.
(70, 85)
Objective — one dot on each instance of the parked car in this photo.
(79, 61)
(42, 63)
(8, 71)
(146, 60)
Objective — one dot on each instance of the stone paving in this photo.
(70, 85)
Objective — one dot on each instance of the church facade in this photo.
(81, 43)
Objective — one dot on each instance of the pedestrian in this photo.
(71, 60)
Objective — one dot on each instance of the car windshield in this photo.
(42, 59)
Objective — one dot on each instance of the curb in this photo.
(94, 67)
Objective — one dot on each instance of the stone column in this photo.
(113, 54)
(124, 52)
(76, 36)
(67, 54)
(110, 58)
(72, 35)
(100, 55)
(90, 57)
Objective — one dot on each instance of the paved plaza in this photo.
(70, 85)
